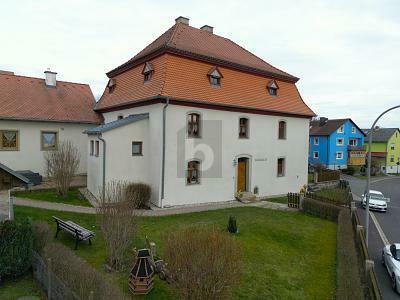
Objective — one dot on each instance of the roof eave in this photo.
(49, 120)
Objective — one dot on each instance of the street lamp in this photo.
(369, 172)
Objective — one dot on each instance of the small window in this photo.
(193, 172)
(215, 76)
(339, 142)
(353, 142)
(91, 148)
(111, 85)
(281, 167)
(9, 140)
(392, 158)
(49, 140)
(353, 130)
(339, 155)
(392, 147)
(272, 88)
(316, 154)
(282, 130)
(120, 117)
(243, 128)
(193, 125)
(341, 129)
(316, 141)
(137, 148)
(147, 71)
(97, 149)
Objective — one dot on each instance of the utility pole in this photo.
(368, 187)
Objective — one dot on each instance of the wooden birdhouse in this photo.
(141, 276)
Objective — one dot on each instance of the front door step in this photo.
(246, 197)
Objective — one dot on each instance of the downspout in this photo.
(104, 166)
(163, 150)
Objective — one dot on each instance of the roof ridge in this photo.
(38, 78)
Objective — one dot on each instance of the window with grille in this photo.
(282, 130)
(193, 172)
(9, 140)
(243, 128)
(193, 125)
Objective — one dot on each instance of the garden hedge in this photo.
(321, 209)
(16, 243)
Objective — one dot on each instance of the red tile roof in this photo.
(184, 78)
(28, 98)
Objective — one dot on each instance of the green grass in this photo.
(72, 198)
(12, 289)
(310, 177)
(336, 194)
(287, 255)
(282, 200)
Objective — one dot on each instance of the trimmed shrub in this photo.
(78, 275)
(138, 194)
(203, 263)
(321, 209)
(42, 235)
(232, 226)
(16, 243)
(348, 278)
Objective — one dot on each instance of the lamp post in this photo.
(368, 187)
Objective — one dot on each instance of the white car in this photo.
(376, 201)
(391, 260)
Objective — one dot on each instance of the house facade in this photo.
(336, 144)
(199, 119)
(385, 149)
(36, 114)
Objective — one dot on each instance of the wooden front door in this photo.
(242, 175)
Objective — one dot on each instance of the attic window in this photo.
(272, 88)
(111, 85)
(147, 71)
(215, 76)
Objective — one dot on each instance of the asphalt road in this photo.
(389, 222)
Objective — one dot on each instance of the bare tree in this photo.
(61, 165)
(203, 263)
(118, 222)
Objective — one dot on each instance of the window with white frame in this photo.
(316, 154)
(341, 129)
(193, 172)
(316, 141)
(91, 147)
(353, 130)
(353, 142)
(391, 146)
(391, 158)
(339, 142)
(339, 155)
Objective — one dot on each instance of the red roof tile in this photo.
(28, 98)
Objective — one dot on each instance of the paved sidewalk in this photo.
(154, 211)
(3, 205)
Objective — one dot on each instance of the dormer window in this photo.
(147, 71)
(215, 77)
(272, 88)
(111, 85)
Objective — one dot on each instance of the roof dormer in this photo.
(147, 71)
(215, 76)
(272, 88)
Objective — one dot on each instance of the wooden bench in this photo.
(81, 234)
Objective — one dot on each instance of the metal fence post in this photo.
(10, 206)
(49, 278)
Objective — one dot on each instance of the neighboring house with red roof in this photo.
(36, 114)
(200, 118)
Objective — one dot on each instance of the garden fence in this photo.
(293, 200)
(49, 282)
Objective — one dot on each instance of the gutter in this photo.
(104, 166)
(163, 150)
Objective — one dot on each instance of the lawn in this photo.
(287, 255)
(282, 200)
(72, 198)
(20, 287)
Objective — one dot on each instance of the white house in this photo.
(199, 118)
(36, 114)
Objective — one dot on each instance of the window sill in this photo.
(280, 176)
(137, 154)
(193, 137)
(5, 149)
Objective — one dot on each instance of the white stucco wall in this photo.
(120, 164)
(30, 156)
(263, 148)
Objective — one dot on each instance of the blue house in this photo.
(336, 143)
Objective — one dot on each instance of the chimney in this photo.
(207, 28)
(322, 121)
(50, 78)
(182, 20)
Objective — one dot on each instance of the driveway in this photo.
(383, 226)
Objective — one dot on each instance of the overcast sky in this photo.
(346, 55)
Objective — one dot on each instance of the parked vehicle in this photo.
(391, 260)
(376, 201)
